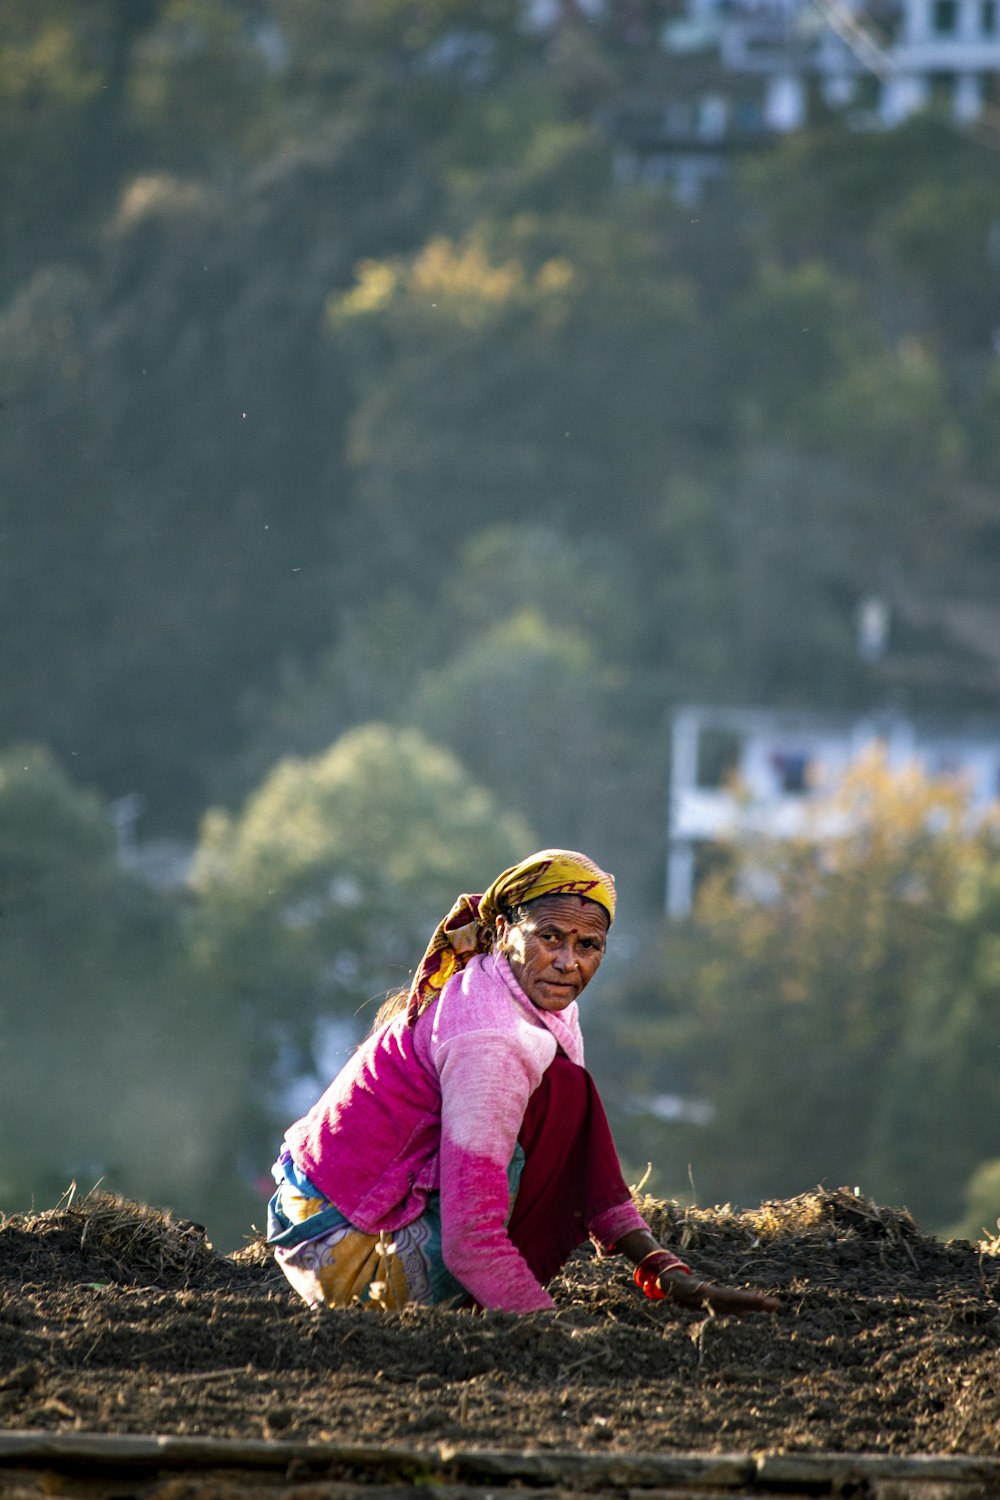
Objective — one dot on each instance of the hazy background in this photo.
(376, 475)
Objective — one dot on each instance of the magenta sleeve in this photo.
(607, 1228)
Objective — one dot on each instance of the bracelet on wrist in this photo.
(654, 1265)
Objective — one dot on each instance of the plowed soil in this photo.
(116, 1318)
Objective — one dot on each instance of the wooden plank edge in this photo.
(809, 1468)
(720, 1471)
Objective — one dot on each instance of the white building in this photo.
(739, 71)
(919, 51)
(756, 771)
(954, 44)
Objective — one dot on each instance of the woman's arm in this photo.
(486, 1082)
(677, 1283)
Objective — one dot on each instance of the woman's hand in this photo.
(688, 1290)
(661, 1275)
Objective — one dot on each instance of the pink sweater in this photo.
(439, 1105)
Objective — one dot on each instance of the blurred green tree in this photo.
(340, 381)
(816, 977)
(763, 411)
(526, 376)
(980, 1220)
(788, 333)
(68, 135)
(525, 706)
(109, 1065)
(518, 670)
(945, 235)
(319, 897)
(385, 645)
(936, 1124)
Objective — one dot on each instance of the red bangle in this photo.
(654, 1265)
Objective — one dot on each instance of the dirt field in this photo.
(116, 1319)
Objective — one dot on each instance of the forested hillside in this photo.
(350, 411)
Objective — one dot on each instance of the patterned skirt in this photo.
(330, 1263)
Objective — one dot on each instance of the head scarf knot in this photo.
(469, 926)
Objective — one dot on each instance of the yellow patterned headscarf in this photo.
(469, 926)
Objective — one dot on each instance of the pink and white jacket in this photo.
(438, 1106)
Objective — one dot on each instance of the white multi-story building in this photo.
(757, 772)
(952, 44)
(747, 69)
(916, 52)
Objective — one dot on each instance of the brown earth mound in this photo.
(117, 1318)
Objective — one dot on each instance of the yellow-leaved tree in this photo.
(836, 1000)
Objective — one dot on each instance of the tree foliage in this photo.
(109, 1062)
(321, 894)
(341, 382)
(300, 337)
(836, 1000)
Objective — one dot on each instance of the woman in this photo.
(463, 1152)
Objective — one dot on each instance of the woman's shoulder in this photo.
(479, 999)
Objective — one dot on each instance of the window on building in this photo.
(718, 756)
(941, 87)
(792, 771)
(945, 16)
(988, 17)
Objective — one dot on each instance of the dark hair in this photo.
(394, 1002)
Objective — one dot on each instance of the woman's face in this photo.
(555, 949)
